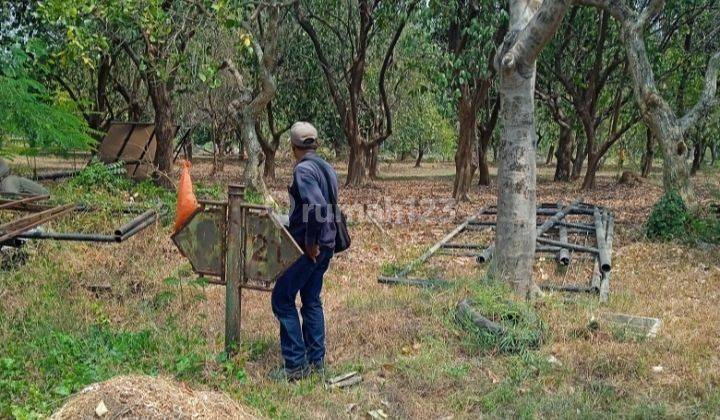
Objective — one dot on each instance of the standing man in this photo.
(312, 226)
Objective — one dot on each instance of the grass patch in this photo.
(522, 328)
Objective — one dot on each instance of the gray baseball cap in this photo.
(304, 135)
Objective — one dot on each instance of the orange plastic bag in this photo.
(186, 201)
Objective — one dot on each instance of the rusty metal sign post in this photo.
(238, 245)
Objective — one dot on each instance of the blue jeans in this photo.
(304, 343)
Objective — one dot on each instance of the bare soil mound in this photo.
(146, 397)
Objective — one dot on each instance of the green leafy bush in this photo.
(669, 218)
(97, 174)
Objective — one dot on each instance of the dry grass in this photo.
(137, 396)
(415, 361)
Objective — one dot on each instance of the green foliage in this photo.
(671, 220)
(524, 330)
(98, 175)
(34, 120)
(420, 125)
(668, 219)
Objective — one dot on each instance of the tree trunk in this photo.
(649, 154)
(515, 240)
(698, 155)
(269, 165)
(219, 153)
(256, 157)
(483, 167)
(467, 138)
(420, 154)
(713, 153)
(563, 154)
(164, 132)
(372, 154)
(592, 168)
(356, 161)
(551, 151)
(579, 160)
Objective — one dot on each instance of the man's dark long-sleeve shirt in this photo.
(311, 220)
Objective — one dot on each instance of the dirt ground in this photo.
(415, 361)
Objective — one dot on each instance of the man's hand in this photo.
(312, 252)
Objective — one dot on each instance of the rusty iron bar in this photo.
(25, 200)
(234, 269)
(18, 226)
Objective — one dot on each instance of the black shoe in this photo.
(290, 375)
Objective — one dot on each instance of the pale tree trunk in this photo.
(250, 105)
(467, 139)
(551, 152)
(667, 127)
(530, 29)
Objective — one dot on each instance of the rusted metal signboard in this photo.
(244, 245)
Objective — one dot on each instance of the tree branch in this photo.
(707, 99)
(538, 32)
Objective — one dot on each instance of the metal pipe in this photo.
(58, 236)
(600, 234)
(134, 222)
(605, 278)
(57, 175)
(579, 288)
(137, 228)
(557, 216)
(578, 226)
(574, 247)
(563, 255)
(486, 255)
(462, 246)
(405, 281)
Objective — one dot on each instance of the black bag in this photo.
(342, 236)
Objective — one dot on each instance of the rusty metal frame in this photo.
(555, 223)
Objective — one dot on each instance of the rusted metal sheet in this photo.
(201, 241)
(269, 249)
(133, 143)
(16, 227)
